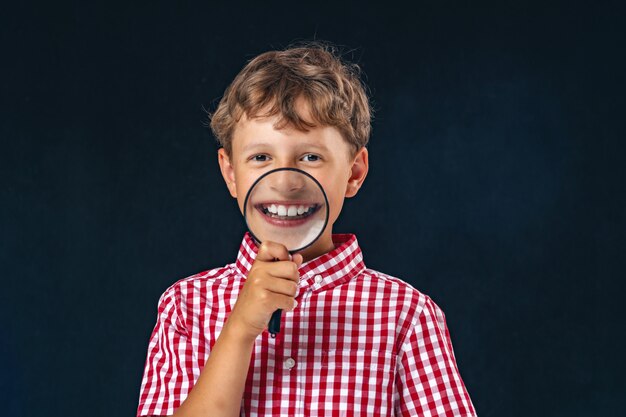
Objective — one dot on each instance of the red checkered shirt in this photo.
(359, 343)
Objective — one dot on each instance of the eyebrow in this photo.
(255, 146)
(262, 145)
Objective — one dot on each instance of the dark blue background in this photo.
(496, 185)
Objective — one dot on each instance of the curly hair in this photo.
(274, 81)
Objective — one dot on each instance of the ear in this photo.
(228, 172)
(360, 166)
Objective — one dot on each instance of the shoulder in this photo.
(408, 300)
(205, 279)
(199, 286)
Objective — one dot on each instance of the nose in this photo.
(287, 181)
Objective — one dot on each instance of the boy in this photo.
(353, 341)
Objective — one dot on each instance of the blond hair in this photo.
(271, 83)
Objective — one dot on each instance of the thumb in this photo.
(297, 258)
(272, 251)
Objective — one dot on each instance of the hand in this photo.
(272, 284)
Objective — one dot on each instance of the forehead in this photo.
(259, 132)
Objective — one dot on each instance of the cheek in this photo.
(242, 191)
(335, 200)
(242, 182)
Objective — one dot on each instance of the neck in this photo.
(322, 246)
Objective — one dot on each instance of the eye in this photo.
(311, 157)
(259, 158)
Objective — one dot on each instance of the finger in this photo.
(285, 302)
(285, 270)
(298, 259)
(282, 286)
(270, 251)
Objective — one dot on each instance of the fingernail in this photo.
(295, 305)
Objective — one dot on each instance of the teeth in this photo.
(290, 211)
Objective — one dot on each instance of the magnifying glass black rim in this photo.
(245, 204)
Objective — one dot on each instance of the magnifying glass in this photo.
(287, 206)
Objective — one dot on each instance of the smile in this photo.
(287, 211)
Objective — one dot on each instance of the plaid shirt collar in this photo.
(324, 272)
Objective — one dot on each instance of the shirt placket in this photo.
(293, 363)
(287, 363)
(309, 283)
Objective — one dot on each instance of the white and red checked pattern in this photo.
(359, 343)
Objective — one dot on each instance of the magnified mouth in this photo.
(287, 213)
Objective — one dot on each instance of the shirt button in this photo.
(318, 279)
(289, 363)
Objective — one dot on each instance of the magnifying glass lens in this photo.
(286, 206)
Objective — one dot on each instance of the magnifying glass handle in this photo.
(274, 325)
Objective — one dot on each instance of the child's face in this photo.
(258, 147)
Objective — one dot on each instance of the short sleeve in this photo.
(168, 374)
(427, 379)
